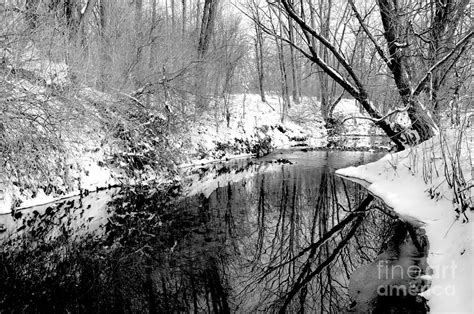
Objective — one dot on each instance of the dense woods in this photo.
(137, 75)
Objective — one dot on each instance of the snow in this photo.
(78, 221)
(250, 119)
(211, 139)
(41, 199)
(51, 72)
(413, 183)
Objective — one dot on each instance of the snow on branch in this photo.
(391, 113)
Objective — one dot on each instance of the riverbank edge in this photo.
(394, 180)
(44, 199)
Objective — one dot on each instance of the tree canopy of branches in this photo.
(419, 45)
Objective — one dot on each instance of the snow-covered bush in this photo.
(455, 159)
(446, 175)
(142, 142)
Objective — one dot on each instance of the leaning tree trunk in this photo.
(421, 121)
(398, 57)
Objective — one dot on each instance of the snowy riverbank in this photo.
(431, 185)
(254, 129)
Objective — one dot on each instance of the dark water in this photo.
(275, 235)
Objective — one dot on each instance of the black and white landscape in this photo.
(236, 156)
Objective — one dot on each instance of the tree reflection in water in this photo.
(283, 239)
(309, 232)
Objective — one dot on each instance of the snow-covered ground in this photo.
(251, 121)
(415, 183)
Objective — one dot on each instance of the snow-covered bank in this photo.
(418, 185)
(252, 122)
(98, 157)
(87, 172)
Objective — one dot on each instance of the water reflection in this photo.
(297, 241)
(251, 237)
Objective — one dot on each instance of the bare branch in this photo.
(425, 79)
(336, 101)
(323, 40)
(369, 34)
(391, 113)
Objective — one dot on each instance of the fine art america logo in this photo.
(411, 280)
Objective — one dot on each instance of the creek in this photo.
(277, 234)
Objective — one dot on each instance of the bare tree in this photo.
(104, 56)
(138, 31)
(328, 97)
(232, 51)
(153, 25)
(259, 43)
(183, 2)
(207, 26)
(209, 13)
(396, 57)
(173, 15)
(283, 72)
(294, 79)
(198, 13)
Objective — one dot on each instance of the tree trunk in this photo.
(184, 17)
(284, 80)
(420, 119)
(198, 13)
(322, 76)
(259, 61)
(446, 15)
(102, 82)
(138, 30)
(295, 93)
(151, 63)
(167, 15)
(207, 26)
(326, 99)
(173, 16)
